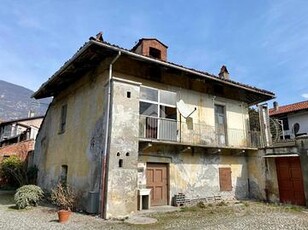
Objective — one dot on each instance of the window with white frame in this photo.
(158, 109)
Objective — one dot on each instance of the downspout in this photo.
(104, 155)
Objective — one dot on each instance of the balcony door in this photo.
(220, 125)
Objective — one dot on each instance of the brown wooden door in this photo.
(225, 180)
(290, 180)
(157, 180)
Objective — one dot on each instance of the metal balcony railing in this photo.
(195, 134)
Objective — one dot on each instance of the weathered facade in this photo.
(122, 121)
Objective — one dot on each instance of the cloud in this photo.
(305, 95)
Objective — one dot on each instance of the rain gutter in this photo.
(104, 155)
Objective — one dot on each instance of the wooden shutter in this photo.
(225, 179)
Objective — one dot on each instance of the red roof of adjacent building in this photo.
(289, 108)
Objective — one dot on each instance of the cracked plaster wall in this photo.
(79, 147)
(197, 176)
(124, 138)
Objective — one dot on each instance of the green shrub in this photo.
(13, 169)
(28, 195)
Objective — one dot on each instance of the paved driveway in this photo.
(246, 215)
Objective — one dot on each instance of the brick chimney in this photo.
(151, 47)
(224, 73)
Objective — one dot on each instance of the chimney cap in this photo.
(224, 72)
(223, 69)
(147, 39)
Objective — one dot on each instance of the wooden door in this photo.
(225, 180)
(157, 180)
(290, 180)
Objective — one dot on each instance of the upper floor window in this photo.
(285, 123)
(220, 124)
(63, 119)
(157, 103)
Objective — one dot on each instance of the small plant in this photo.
(28, 195)
(201, 205)
(64, 196)
(188, 209)
(222, 203)
(246, 204)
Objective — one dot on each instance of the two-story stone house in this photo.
(125, 120)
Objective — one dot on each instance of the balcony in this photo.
(168, 130)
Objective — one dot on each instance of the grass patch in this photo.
(222, 203)
(189, 209)
(295, 208)
(246, 204)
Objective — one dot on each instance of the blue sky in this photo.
(263, 43)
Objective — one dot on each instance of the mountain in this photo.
(16, 102)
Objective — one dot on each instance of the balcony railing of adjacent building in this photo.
(196, 134)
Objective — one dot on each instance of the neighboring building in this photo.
(285, 165)
(17, 133)
(293, 118)
(125, 120)
(17, 137)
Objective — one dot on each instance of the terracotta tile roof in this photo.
(289, 108)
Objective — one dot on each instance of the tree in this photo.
(254, 119)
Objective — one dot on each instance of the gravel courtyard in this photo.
(224, 215)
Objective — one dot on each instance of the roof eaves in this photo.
(153, 60)
(20, 119)
(186, 69)
(66, 64)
